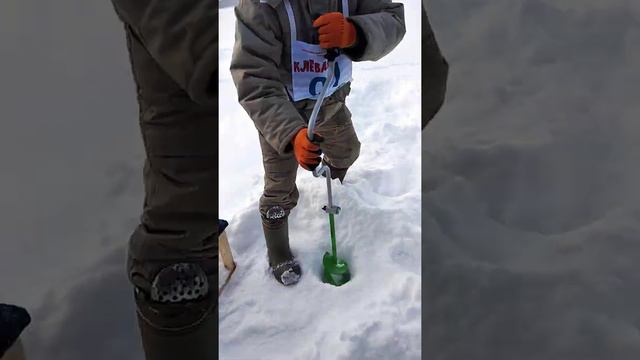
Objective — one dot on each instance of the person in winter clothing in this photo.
(278, 67)
(173, 52)
(173, 253)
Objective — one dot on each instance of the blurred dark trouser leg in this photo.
(178, 228)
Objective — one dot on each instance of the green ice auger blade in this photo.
(336, 271)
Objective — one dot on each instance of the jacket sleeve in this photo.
(182, 37)
(435, 71)
(255, 61)
(380, 26)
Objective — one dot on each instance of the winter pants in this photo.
(340, 147)
(179, 221)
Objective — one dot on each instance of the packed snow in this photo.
(377, 314)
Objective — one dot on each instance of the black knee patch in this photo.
(178, 283)
(274, 216)
(275, 213)
(179, 298)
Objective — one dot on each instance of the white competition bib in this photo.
(309, 66)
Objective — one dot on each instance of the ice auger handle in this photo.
(316, 107)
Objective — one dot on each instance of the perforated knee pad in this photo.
(275, 216)
(178, 283)
(179, 298)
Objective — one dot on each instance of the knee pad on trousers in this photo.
(177, 315)
(274, 216)
(180, 298)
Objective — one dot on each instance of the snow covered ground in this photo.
(377, 314)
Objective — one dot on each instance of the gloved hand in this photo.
(306, 152)
(335, 31)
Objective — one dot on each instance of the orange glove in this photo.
(306, 152)
(335, 31)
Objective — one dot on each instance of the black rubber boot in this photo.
(284, 267)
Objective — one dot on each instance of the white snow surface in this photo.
(377, 314)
